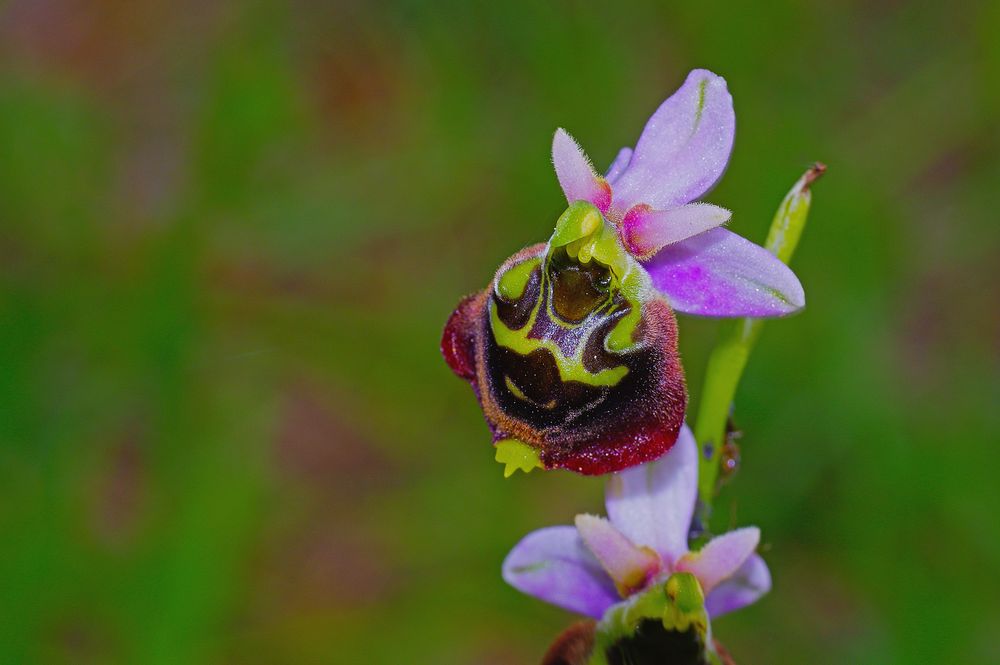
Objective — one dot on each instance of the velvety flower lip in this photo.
(650, 193)
(590, 568)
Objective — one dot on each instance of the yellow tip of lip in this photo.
(516, 455)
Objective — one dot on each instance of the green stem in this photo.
(737, 339)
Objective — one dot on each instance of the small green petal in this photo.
(517, 455)
(686, 604)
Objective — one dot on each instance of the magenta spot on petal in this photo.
(632, 230)
(602, 197)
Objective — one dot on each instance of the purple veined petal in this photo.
(718, 273)
(645, 231)
(554, 565)
(619, 165)
(652, 504)
(576, 175)
(628, 565)
(684, 148)
(743, 588)
(721, 557)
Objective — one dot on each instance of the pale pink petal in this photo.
(576, 176)
(721, 557)
(743, 588)
(645, 231)
(718, 273)
(628, 565)
(619, 165)
(684, 147)
(652, 504)
(554, 565)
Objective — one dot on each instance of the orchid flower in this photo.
(571, 351)
(613, 569)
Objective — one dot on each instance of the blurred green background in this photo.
(232, 233)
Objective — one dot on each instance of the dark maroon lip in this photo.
(591, 430)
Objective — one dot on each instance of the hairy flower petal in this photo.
(645, 231)
(684, 148)
(721, 557)
(652, 504)
(576, 174)
(743, 588)
(628, 565)
(619, 165)
(553, 564)
(718, 273)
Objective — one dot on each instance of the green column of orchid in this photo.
(737, 339)
(676, 606)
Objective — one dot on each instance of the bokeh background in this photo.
(232, 233)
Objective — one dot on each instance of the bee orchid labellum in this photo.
(572, 353)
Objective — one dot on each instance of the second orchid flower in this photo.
(636, 567)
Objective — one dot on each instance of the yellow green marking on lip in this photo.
(570, 368)
(585, 237)
(514, 281)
